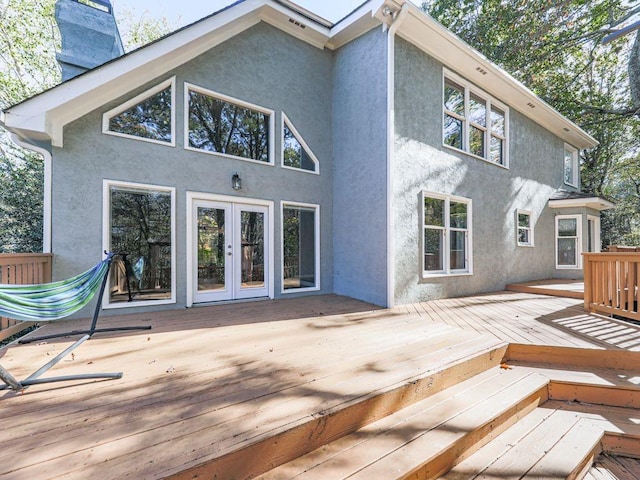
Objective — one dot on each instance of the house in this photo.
(263, 152)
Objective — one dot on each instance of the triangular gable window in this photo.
(149, 116)
(295, 152)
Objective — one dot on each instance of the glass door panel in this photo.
(211, 249)
(251, 248)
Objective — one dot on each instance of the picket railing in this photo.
(22, 269)
(611, 282)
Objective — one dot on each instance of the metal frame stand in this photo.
(93, 328)
(13, 384)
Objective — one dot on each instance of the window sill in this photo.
(475, 157)
(529, 245)
(426, 276)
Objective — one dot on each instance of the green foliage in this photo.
(29, 39)
(554, 47)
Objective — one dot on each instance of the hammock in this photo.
(52, 301)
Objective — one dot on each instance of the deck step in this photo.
(427, 438)
(613, 467)
(547, 444)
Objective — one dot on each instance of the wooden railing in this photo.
(22, 269)
(611, 282)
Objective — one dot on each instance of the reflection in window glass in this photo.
(452, 132)
(567, 242)
(299, 241)
(140, 227)
(525, 229)
(446, 235)
(216, 125)
(150, 118)
(453, 97)
(294, 153)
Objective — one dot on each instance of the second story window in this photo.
(571, 166)
(474, 122)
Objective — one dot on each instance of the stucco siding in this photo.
(262, 66)
(423, 164)
(360, 168)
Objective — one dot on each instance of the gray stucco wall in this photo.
(262, 66)
(421, 163)
(360, 168)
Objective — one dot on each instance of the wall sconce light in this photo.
(236, 182)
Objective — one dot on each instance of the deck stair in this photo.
(519, 419)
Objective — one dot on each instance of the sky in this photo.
(191, 10)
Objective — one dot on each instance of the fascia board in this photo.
(359, 22)
(595, 203)
(441, 44)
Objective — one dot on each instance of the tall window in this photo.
(140, 229)
(568, 238)
(226, 126)
(301, 247)
(446, 234)
(474, 122)
(524, 228)
(571, 168)
(296, 154)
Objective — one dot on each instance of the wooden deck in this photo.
(207, 383)
(558, 287)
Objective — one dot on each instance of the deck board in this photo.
(206, 380)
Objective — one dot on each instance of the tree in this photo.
(554, 47)
(29, 39)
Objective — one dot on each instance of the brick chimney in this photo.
(90, 36)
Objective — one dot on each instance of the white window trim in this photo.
(316, 207)
(285, 121)
(138, 99)
(578, 264)
(597, 237)
(469, 88)
(106, 237)
(531, 242)
(575, 165)
(188, 87)
(447, 271)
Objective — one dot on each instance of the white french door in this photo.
(230, 244)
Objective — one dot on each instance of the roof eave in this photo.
(596, 203)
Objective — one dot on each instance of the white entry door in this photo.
(230, 250)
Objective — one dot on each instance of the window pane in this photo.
(452, 132)
(453, 97)
(524, 220)
(299, 238)
(433, 212)
(477, 110)
(567, 227)
(567, 251)
(252, 243)
(523, 235)
(211, 249)
(458, 250)
(151, 118)
(476, 141)
(496, 154)
(141, 228)
(458, 212)
(294, 153)
(497, 121)
(216, 125)
(433, 243)
(569, 175)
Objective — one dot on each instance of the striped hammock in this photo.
(52, 301)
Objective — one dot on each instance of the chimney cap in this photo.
(104, 5)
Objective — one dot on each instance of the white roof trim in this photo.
(595, 203)
(43, 117)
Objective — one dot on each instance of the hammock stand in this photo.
(96, 314)
(34, 379)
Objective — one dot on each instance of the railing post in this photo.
(588, 281)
